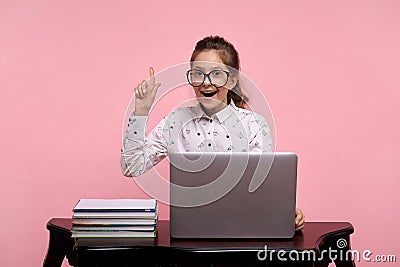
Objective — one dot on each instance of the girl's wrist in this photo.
(141, 112)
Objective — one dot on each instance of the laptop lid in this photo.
(233, 195)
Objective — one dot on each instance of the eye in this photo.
(197, 73)
(217, 73)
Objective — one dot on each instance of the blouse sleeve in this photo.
(139, 152)
(261, 136)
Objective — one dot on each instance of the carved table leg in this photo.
(60, 246)
(337, 250)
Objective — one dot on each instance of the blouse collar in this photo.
(222, 115)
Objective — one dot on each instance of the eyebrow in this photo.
(211, 69)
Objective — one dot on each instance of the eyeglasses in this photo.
(217, 78)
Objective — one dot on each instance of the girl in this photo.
(219, 121)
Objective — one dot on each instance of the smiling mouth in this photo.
(208, 94)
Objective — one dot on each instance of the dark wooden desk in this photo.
(315, 238)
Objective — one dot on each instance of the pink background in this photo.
(329, 69)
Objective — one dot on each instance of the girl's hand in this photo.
(145, 94)
(299, 220)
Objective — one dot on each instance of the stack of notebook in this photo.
(115, 218)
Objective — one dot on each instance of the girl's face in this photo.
(212, 99)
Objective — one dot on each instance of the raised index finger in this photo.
(152, 78)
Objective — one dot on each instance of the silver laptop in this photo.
(233, 195)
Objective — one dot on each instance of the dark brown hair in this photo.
(230, 57)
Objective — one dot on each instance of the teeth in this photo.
(208, 94)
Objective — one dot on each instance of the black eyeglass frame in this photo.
(208, 76)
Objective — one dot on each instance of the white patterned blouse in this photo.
(190, 129)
